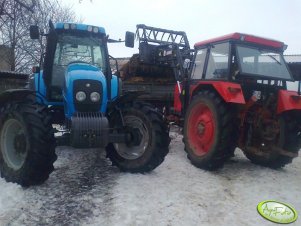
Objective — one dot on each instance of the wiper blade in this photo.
(274, 58)
(271, 56)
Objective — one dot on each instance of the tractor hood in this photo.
(86, 78)
(83, 70)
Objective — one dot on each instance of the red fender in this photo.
(230, 92)
(288, 100)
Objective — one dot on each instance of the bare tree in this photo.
(28, 5)
(14, 29)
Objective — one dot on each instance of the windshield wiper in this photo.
(274, 58)
(271, 56)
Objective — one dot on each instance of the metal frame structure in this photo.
(161, 36)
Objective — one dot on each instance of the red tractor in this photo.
(227, 92)
(237, 96)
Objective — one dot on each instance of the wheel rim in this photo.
(201, 129)
(13, 144)
(133, 152)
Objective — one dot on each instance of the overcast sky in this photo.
(200, 19)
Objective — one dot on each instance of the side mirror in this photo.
(129, 39)
(34, 32)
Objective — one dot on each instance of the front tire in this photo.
(27, 144)
(208, 128)
(150, 139)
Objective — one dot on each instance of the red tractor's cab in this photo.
(238, 97)
(239, 57)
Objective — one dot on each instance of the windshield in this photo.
(262, 63)
(76, 49)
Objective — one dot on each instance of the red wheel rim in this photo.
(201, 129)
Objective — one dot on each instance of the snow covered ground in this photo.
(85, 190)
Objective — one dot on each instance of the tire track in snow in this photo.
(78, 190)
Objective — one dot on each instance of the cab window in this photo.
(197, 70)
(218, 62)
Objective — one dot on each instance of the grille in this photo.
(87, 86)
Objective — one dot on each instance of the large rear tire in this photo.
(150, 139)
(288, 140)
(27, 144)
(207, 131)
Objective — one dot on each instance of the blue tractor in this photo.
(74, 90)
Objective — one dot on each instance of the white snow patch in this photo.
(177, 193)
(10, 196)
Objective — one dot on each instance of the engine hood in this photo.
(83, 71)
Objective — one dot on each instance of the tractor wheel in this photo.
(280, 151)
(149, 143)
(208, 130)
(27, 144)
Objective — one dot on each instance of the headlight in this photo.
(95, 96)
(89, 28)
(95, 29)
(80, 96)
(66, 26)
(73, 26)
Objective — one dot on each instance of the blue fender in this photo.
(114, 87)
(39, 86)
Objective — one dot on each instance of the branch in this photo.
(29, 8)
(2, 8)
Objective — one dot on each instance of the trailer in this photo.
(13, 80)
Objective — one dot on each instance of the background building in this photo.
(5, 56)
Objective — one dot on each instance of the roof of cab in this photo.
(82, 27)
(244, 38)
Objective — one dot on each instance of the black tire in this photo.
(27, 157)
(152, 127)
(208, 143)
(289, 140)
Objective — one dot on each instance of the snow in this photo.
(86, 190)
(10, 195)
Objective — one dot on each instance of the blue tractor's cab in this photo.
(74, 89)
(75, 52)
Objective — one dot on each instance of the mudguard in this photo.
(126, 97)
(229, 91)
(115, 83)
(288, 100)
